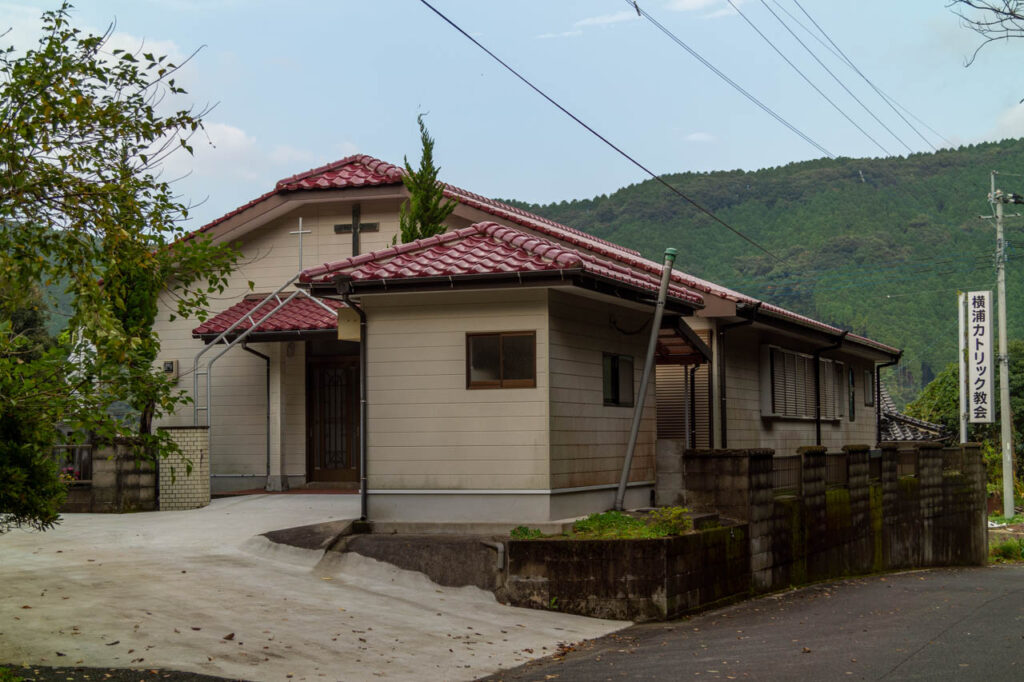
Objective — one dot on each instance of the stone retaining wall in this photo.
(935, 517)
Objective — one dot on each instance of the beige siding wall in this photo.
(588, 438)
(270, 257)
(427, 431)
(746, 428)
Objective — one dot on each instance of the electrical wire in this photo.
(808, 80)
(841, 281)
(866, 79)
(835, 77)
(696, 55)
(601, 137)
(840, 58)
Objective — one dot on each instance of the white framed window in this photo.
(787, 385)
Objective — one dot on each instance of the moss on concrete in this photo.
(875, 502)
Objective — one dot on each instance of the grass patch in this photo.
(1009, 551)
(997, 518)
(616, 525)
(8, 675)
(520, 533)
(613, 525)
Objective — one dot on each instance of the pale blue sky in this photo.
(299, 84)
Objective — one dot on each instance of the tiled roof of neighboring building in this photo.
(301, 314)
(485, 249)
(896, 426)
(361, 170)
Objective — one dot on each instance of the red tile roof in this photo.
(361, 170)
(485, 249)
(299, 315)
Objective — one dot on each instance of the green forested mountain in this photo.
(877, 246)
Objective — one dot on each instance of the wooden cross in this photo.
(356, 228)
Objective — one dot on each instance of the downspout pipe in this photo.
(266, 358)
(720, 349)
(817, 383)
(652, 344)
(878, 395)
(346, 297)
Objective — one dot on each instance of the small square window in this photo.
(618, 380)
(501, 360)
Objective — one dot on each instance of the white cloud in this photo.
(606, 19)
(226, 152)
(700, 136)
(563, 34)
(1009, 124)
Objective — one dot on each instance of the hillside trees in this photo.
(82, 137)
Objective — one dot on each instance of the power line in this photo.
(601, 137)
(845, 279)
(764, 107)
(859, 73)
(863, 274)
(834, 77)
(808, 80)
(888, 265)
(840, 58)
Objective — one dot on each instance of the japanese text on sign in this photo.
(980, 382)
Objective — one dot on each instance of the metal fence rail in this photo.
(74, 462)
(787, 474)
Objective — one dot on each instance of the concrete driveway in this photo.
(198, 591)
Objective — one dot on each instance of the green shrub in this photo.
(1010, 550)
(525, 533)
(670, 520)
(8, 675)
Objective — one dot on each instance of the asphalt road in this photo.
(943, 624)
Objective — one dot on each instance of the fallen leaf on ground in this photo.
(230, 636)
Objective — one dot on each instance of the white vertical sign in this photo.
(980, 380)
(961, 306)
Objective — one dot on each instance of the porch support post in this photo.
(277, 481)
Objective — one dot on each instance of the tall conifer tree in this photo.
(426, 209)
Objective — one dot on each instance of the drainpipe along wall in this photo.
(362, 403)
(817, 384)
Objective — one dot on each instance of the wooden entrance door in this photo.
(332, 419)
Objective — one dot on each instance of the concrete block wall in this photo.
(179, 488)
(935, 517)
(123, 480)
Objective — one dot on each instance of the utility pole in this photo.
(1006, 432)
